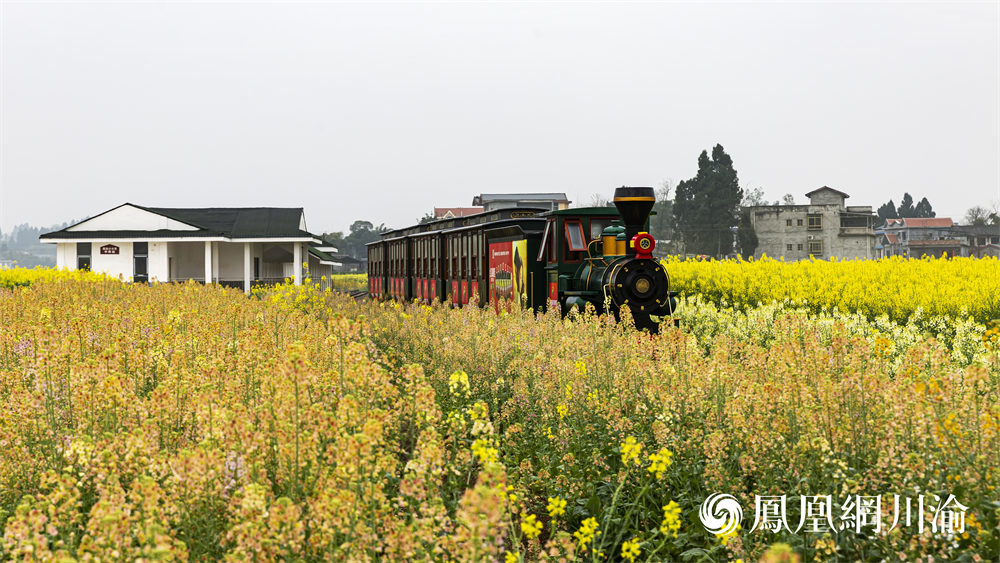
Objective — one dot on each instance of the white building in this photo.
(234, 246)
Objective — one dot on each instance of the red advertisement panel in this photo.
(508, 272)
(465, 292)
(553, 294)
(427, 290)
(500, 273)
(434, 289)
(456, 299)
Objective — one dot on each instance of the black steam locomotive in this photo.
(536, 258)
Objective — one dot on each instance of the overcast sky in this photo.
(384, 111)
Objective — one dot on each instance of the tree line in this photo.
(710, 213)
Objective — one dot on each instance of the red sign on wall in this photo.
(109, 249)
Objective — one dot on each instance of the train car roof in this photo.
(456, 223)
(575, 211)
(609, 210)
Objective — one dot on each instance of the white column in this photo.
(215, 261)
(246, 267)
(297, 270)
(208, 262)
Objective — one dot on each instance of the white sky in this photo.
(383, 111)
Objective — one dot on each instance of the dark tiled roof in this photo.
(86, 235)
(228, 222)
(321, 255)
(240, 222)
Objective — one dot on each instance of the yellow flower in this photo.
(484, 451)
(726, 536)
(659, 462)
(556, 506)
(586, 533)
(512, 557)
(630, 451)
(531, 527)
(671, 519)
(562, 409)
(458, 384)
(630, 549)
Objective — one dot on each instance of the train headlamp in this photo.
(643, 243)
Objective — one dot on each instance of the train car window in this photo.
(543, 249)
(474, 257)
(574, 235)
(465, 256)
(597, 226)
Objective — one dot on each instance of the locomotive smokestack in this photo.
(634, 205)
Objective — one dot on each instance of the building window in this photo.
(140, 262)
(816, 247)
(788, 248)
(83, 256)
(815, 222)
(800, 246)
(798, 222)
(788, 222)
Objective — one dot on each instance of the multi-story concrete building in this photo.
(825, 228)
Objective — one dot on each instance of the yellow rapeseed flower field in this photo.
(894, 287)
(189, 422)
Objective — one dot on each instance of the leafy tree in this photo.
(887, 211)
(361, 226)
(746, 235)
(906, 208)
(598, 200)
(788, 200)
(924, 209)
(754, 197)
(427, 218)
(977, 215)
(661, 225)
(706, 206)
(361, 233)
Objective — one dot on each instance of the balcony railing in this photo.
(856, 231)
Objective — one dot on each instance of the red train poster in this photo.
(508, 267)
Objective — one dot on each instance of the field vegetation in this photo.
(187, 422)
